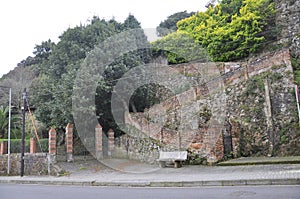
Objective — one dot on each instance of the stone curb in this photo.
(249, 182)
(258, 163)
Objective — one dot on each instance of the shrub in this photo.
(16, 144)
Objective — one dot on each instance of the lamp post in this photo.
(24, 108)
(9, 127)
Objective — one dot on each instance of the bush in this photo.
(16, 144)
(44, 145)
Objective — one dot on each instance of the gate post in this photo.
(3, 148)
(52, 144)
(32, 145)
(69, 142)
(98, 142)
(111, 142)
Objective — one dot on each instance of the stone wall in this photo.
(137, 148)
(264, 106)
(35, 164)
(288, 21)
(259, 109)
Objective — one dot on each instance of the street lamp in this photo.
(9, 127)
(24, 108)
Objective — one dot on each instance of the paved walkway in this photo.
(261, 160)
(120, 172)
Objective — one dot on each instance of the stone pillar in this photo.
(3, 148)
(52, 144)
(32, 145)
(268, 113)
(111, 142)
(98, 142)
(69, 142)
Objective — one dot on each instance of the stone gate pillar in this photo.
(111, 142)
(3, 148)
(32, 145)
(52, 144)
(98, 142)
(69, 142)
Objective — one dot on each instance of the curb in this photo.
(252, 182)
(274, 160)
(257, 163)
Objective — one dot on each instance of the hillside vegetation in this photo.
(229, 31)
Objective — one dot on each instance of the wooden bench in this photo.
(176, 157)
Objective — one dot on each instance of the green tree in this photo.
(180, 47)
(43, 51)
(131, 23)
(231, 6)
(57, 69)
(233, 29)
(4, 120)
(116, 70)
(169, 25)
(53, 89)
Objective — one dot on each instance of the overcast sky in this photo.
(25, 23)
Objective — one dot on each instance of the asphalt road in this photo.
(69, 192)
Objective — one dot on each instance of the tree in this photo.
(58, 67)
(4, 120)
(43, 51)
(53, 89)
(231, 6)
(180, 47)
(169, 25)
(233, 29)
(115, 71)
(131, 23)
(18, 79)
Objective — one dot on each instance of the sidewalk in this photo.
(261, 160)
(121, 172)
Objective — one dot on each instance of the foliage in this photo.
(169, 25)
(296, 67)
(18, 79)
(148, 95)
(233, 29)
(4, 120)
(15, 145)
(228, 31)
(131, 23)
(111, 75)
(180, 47)
(32, 125)
(58, 65)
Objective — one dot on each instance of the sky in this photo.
(26, 23)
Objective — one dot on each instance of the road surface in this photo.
(73, 192)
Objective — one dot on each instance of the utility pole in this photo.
(9, 128)
(24, 108)
(297, 101)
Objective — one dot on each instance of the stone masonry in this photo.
(270, 74)
(98, 142)
(52, 143)
(111, 143)
(69, 142)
